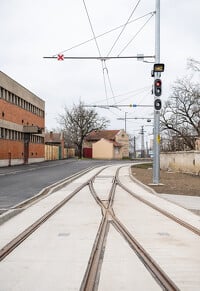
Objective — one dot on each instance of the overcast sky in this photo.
(32, 29)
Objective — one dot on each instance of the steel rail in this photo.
(90, 278)
(164, 212)
(148, 261)
(9, 247)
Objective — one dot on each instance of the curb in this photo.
(141, 184)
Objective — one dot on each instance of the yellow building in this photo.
(106, 149)
(106, 144)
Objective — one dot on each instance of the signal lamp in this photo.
(157, 104)
(157, 87)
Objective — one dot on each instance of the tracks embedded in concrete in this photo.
(108, 191)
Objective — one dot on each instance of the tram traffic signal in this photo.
(157, 104)
(157, 87)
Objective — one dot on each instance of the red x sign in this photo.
(60, 57)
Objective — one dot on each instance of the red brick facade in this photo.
(18, 108)
(15, 114)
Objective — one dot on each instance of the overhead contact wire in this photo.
(135, 35)
(123, 28)
(95, 39)
(100, 35)
(92, 28)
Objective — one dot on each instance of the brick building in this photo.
(21, 124)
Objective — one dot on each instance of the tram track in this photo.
(11, 212)
(162, 211)
(108, 217)
(9, 247)
(90, 281)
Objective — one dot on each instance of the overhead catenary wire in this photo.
(92, 28)
(104, 80)
(139, 93)
(109, 81)
(136, 34)
(123, 28)
(135, 92)
(95, 39)
(104, 67)
(102, 34)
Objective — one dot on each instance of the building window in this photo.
(1, 92)
(1, 132)
(12, 98)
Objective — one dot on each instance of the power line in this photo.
(102, 60)
(104, 67)
(123, 28)
(137, 91)
(100, 35)
(92, 28)
(109, 81)
(135, 35)
(104, 80)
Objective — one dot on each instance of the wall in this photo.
(123, 138)
(117, 153)
(102, 149)
(12, 152)
(197, 144)
(69, 153)
(16, 117)
(186, 162)
(12, 162)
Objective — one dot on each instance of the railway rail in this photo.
(115, 195)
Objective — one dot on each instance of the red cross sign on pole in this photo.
(60, 57)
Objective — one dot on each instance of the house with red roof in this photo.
(106, 144)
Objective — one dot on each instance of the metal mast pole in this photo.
(156, 158)
(142, 142)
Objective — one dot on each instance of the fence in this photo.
(54, 153)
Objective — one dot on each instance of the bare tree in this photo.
(78, 122)
(180, 116)
(193, 64)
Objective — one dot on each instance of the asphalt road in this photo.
(18, 183)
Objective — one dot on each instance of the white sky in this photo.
(31, 29)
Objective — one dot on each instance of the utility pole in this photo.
(147, 149)
(156, 147)
(142, 142)
(134, 146)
